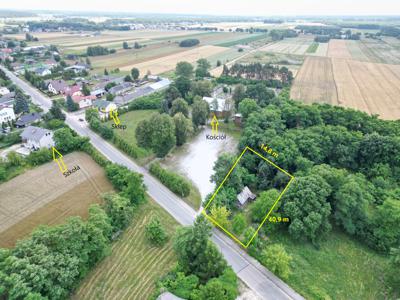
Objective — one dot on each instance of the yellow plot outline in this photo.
(269, 212)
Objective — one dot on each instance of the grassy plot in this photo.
(341, 269)
(245, 40)
(134, 265)
(313, 48)
(131, 120)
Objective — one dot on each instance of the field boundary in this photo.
(247, 148)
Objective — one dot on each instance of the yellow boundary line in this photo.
(269, 212)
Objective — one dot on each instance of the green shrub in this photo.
(155, 232)
(39, 157)
(174, 182)
(152, 101)
(129, 149)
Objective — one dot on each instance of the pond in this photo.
(196, 159)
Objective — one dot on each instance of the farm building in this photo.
(35, 138)
(245, 195)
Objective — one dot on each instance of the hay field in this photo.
(314, 82)
(370, 87)
(134, 265)
(167, 63)
(44, 196)
(298, 45)
(381, 51)
(338, 49)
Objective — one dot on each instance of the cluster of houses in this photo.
(122, 92)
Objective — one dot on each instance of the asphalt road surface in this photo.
(264, 283)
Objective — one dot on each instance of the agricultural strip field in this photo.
(298, 45)
(369, 87)
(314, 82)
(134, 265)
(166, 63)
(338, 49)
(44, 196)
(322, 50)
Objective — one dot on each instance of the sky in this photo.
(217, 7)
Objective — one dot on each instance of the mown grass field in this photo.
(131, 119)
(134, 265)
(341, 269)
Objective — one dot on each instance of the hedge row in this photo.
(174, 182)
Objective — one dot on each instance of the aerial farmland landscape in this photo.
(199, 150)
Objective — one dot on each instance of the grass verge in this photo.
(341, 269)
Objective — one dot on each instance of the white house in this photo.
(104, 108)
(57, 86)
(42, 71)
(35, 138)
(84, 101)
(218, 106)
(6, 114)
(4, 91)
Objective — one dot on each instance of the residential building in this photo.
(57, 86)
(73, 90)
(245, 195)
(104, 107)
(28, 119)
(6, 114)
(42, 71)
(35, 138)
(4, 91)
(78, 67)
(7, 99)
(219, 106)
(84, 101)
(98, 93)
(121, 88)
(139, 92)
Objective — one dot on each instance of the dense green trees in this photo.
(174, 182)
(203, 67)
(71, 105)
(189, 43)
(135, 73)
(157, 133)
(184, 69)
(202, 88)
(21, 103)
(247, 106)
(179, 105)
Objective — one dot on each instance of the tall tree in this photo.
(71, 105)
(200, 111)
(85, 89)
(183, 128)
(21, 104)
(184, 69)
(239, 93)
(135, 73)
(180, 105)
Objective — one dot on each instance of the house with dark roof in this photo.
(42, 71)
(28, 119)
(57, 86)
(7, 99)
(121, 88)
(34, 138)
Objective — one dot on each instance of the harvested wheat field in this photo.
(315, 82)
(322, 50)
(167, 63)
(297, 45)
(369, 87)
(44, 196)
(338, 49)
(134, 265)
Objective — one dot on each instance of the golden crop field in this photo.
(44, 196)
(167, 63)
(370, 87)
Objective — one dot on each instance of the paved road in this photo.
(265, 284)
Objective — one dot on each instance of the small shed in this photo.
(245, 195)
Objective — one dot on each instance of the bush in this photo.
(155, 232)
(189, 43)
(174, 182)
(275, 258)
(152, 101)
(129, 149)
(39, 157)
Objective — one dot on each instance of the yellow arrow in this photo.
(114, 116)
(214, 125)
(57, 157)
